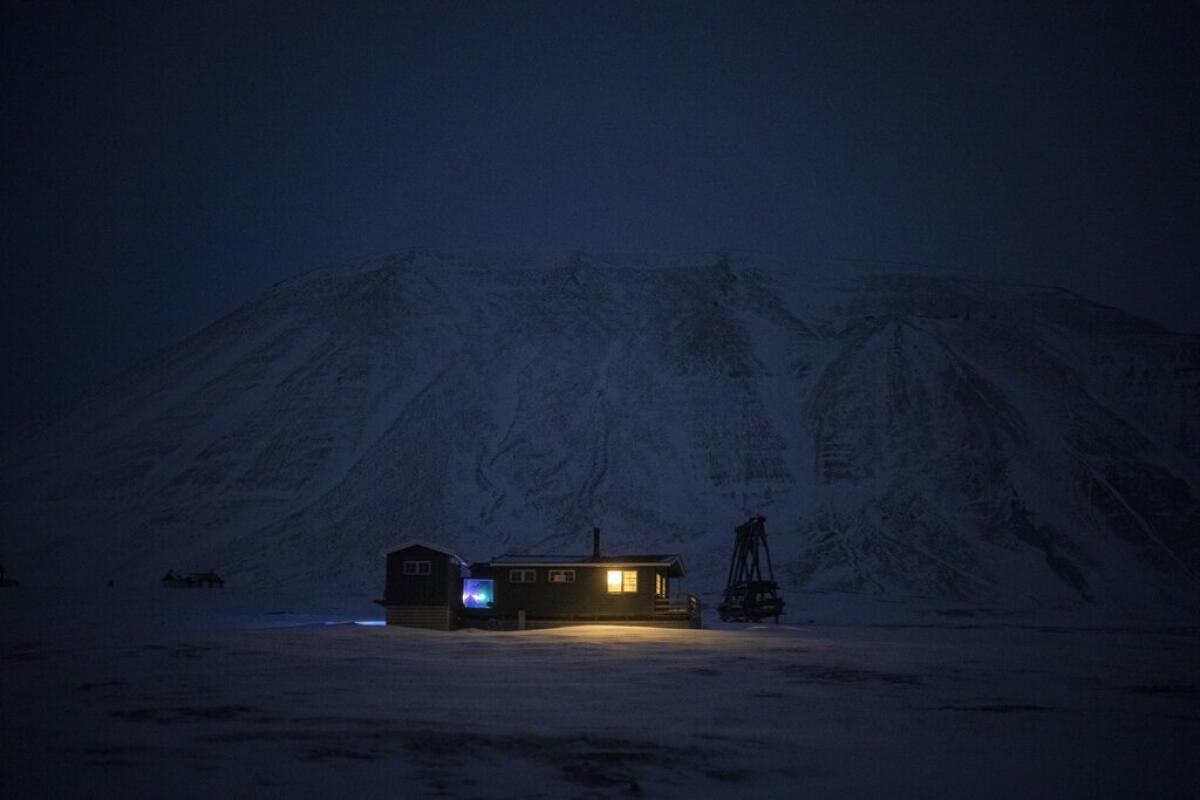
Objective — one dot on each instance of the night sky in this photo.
(162, 164)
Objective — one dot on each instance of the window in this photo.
(660, 584)
(621, 581)
(522, 576)
(418, 568)
(477, 593)
(629, 583)
(562, 576)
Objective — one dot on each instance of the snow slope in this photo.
(907, 435)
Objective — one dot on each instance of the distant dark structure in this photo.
(749, 597)
(424, 586)
(191, 580)
(535, 591)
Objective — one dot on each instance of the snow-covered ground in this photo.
(208, 694)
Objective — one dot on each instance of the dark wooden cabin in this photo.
(423, 587)
(551, 590)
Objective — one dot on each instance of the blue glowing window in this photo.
(477, 593)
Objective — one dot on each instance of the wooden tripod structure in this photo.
(749, 595)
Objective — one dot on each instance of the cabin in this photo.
(423, 587)
(514, 591)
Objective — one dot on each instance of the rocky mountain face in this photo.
(905, 435)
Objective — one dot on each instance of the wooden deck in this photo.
(677, 612)
(681, 612)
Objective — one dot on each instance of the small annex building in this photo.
(535, 591)
(423, 586)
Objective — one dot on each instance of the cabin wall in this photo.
(587, 596)
(442, 587)
(437, 618)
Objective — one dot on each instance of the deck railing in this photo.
(679, 604)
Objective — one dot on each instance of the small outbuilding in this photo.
(424, 585)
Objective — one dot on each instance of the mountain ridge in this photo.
(904, 434)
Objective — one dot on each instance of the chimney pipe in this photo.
(595, 542)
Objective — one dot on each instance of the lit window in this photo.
(660, 584)
(562, 576)
(620, 581)
(522, 576)
(418, 568)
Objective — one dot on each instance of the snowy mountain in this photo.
(906, 435)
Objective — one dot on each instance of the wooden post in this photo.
(521, 620)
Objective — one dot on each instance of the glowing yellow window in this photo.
(622, 580)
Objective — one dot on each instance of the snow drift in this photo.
(904, 434)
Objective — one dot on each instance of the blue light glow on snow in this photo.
(477, 593)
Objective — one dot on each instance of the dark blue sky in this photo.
(160, 165)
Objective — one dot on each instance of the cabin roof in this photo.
(636, 560)
(441, 548)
